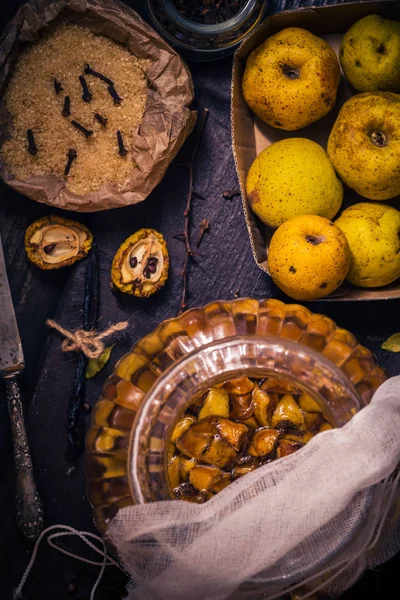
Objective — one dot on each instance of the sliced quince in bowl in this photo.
(54, 242)
(264, 442)
(140, 266)
(287, 414)
(216, 403)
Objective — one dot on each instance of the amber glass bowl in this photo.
(125, 457)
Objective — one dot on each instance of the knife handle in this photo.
(28, 505)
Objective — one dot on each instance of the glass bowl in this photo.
(200, 42)
(152, 385)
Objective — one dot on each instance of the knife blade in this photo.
(11, 354)
(28, 505)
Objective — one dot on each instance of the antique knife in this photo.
(28, 506)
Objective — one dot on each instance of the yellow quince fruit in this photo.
(293, 177)
(364, 144)
(370, 54)
(372, 231)
(291, 79)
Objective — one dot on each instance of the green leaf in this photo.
(392, 344)
(96, 364)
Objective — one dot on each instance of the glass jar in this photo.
(165, 371)
(200, 42)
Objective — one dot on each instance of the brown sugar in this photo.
(51, 70)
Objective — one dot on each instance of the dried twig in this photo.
(204, 226)
(229, 194)
(185, 235)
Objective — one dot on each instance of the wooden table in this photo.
(223, 268)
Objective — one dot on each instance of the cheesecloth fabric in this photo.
(315, 519)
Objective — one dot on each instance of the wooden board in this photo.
(223, 266)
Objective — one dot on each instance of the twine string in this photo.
(89, 342)
(66, 530)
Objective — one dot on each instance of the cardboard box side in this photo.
(320, 21)
(244, 150)
(389, 292)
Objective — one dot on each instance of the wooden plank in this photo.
(223, 265)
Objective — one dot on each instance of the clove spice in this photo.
(100, 119)
(87, 132)
(150, 84)
(72, 154)
(89, 71)
(66, 111)
(114, 95)
(86, 96)
(32, 148)
(122, 150)
(58, 86)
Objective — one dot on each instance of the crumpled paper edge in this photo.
(167, 121)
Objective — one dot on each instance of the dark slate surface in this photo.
(224, 266)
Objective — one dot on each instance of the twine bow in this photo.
(89, 342)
